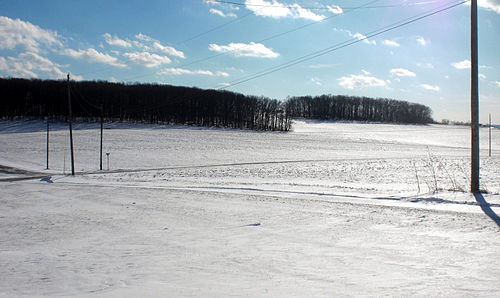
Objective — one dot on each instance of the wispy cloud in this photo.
(324, 65)
(183, 71)
(391, 43)
(360, 81)
(422, 41)
(155, 45)
(335, 9)
(493, 5)
(425, 65)
(357, 35)
(430, 87)
(275, 9)
(147, 59)
(490, 4)
(497, 83)
(18, 33)
(93, 55)
(245, 50)
(115, 41)
(401, 72)
(221, 13)
(316, 81)
(28, 64)
(465, 64)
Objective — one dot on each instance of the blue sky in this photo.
(214, 44)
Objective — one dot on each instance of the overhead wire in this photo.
(260, 41)
(198, 35)
(282, 6)
(340, 45)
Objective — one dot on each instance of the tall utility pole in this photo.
(489, 132)
(102, 121)
(474, 99)
(71, 132)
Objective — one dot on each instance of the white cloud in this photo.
(490, 4)
(335, 9)
(425, 65)
(357, 35)
(91, 54)
(302, 13)
(358, 81)
(14, 33)
(275, 9)
(482, 76)
(147, 59)
(423, 41)
(401, 72)
(493, 5)
(221, 13)
(497, 83)
(182, 71)
(155, 45)
(115, 41)
(143, 37)
(465, 64)
(320, 66)
(364, 38)
(264, 8)
(245, 50)
(365, 72)
(430, 87)
(167, 50)
(316, 81)
(27, 64)
(391, 43)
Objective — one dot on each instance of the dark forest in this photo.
(154, 103)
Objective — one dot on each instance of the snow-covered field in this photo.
(330, 209)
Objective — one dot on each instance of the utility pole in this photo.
(474, 98)
(47, 143)
(489, 132)
(102, 121)
(71, 132)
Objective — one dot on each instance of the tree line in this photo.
(354, 108)
(154, 103)
(150, 103)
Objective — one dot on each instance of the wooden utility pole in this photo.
(474, 98)
(102, 121)
(71, 131)
(489, 132)
(47, 143)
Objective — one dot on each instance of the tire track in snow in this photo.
(236, 164)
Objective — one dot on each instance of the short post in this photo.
(107, 155)
(47, 144)
(100, 152)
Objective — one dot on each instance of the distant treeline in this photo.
(150, 103)
(341, 107)
(153, 103)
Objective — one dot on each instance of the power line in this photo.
(281, 6)
(262, 40)
(198, 35)
(214, 29)
(340, 45)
